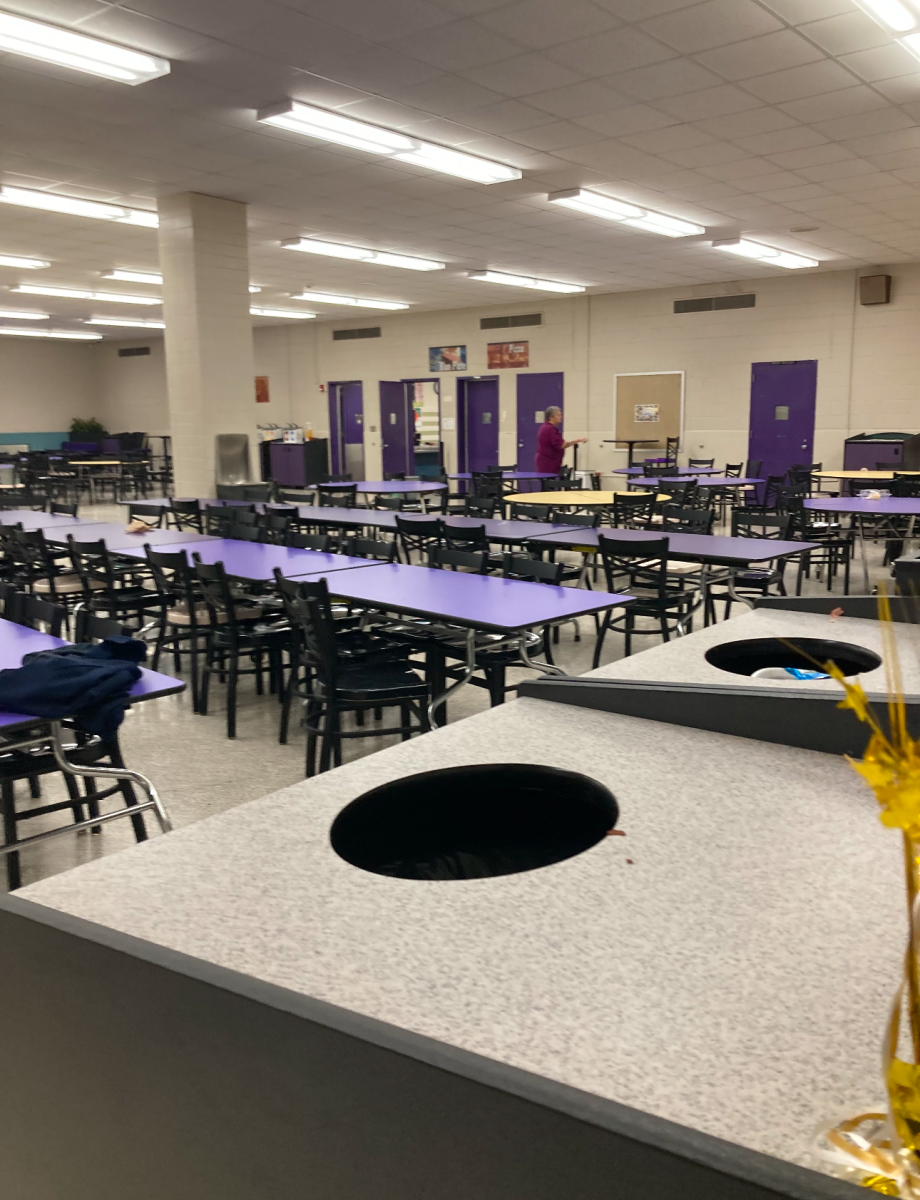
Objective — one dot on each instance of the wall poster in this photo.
(647, 413)
(509, 354)
(447, 358)
(262, 396)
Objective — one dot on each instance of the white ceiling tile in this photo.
(636, 10)
(795, 159)
(559, 135)
(672, 138)
(905, 90)
(540, 23)
(797, 12)
(757, 56)
(742, 168)
(747, 124)
(706, 155)
(670, 78)
(895, 160)
(715, 23)
(812, 79)
(709, 102)
(909, 175)
(522, 76)
(470, 45)
(298, 40)
(801, 191)
(882, 62)
(879, 123)
(832, 105)
(578, 99)
(846, 169)
(377, 20)
(618, 50)
(446, 95)
(799, 137)
(852, 31)
(506, 116)
(636, 119)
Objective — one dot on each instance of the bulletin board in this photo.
(648, 406)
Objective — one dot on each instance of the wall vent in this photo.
(709, 303)
(133, 351)
(510, 322)
(350, 335)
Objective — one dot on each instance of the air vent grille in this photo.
(133, 351)
(710, 303)
(351, 335)
(510, 322)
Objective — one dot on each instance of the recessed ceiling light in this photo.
(35, 289)
(351, 301)
(524, 281)
(595, 205)
(73, 335)
(381, 258)
(24, 264)
(293, 314)
(151, 277)
(768, 255)
(14, 314)
(50, 43)
(99, 211)
(359, 135)
(253, 288)
(891, 13)
(125, 321)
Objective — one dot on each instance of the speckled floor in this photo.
(199, 771)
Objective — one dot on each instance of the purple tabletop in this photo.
(495, 530)
(365, 486)
(117, 540)
(509, 475)
(256, 562)
(473, 601)
(889, 506)
(684, 471)
(689, 547)
(709, 481)
(16, 641)
(36, 520)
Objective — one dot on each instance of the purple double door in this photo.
(477, 423)
(397, 428)
(535, 394)
(782, 423)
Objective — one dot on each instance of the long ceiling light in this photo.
(359, 135)
(97, 210)
(151, 277)
(35, 289)
(900, 18)
(524, 281)
(595, 205)
(351, 301)
(50, 43)
(16, 314)
(127, 322)
(382, 258)
(24, 264)
(293, 314)
(768, 255)
(73, 335)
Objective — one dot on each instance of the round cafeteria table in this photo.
(580, 499)
(394, 486)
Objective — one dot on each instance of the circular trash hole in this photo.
(757, 655)
(474, 822)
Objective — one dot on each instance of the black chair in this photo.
(836, 546)
(218, 518)
(480, 506)
(332, 684)
(89, 627)
(907, 577)
(63, 510)
(632, 511)
(530, 512)
(243, 532)
(388, 503)
(273, 528)
(676, 519)
(116, 589)
(753, 467)
(150, 514)
(693, 463)
(363, 547)
(41, 615)
(184, 619)
(641, 569)
(472, 562)
(733, 470)
(185, 514)
(38, 569)
(337, 495)
(261, 493)
(233, 634)
(308, 541)
(297, 498)
(488, 484)
(418, 535)
(753, 581)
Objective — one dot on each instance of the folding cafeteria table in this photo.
(117, 539)
(683, 471)
(255, 562)
(884, 510)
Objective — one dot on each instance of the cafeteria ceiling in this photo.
(793, 122)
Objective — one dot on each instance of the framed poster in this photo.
(646, 413)
(262, 396)
(447, 358)
(509, 354)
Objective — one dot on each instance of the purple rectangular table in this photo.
(29, 519)
(684, 471)
(496, 530)
(36, 733)
(256, 563)
(118, 541)
(710, 481)
(883, 512)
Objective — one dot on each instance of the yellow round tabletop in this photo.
(862, 474)
(583, 499)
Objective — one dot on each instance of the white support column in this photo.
(204, 260)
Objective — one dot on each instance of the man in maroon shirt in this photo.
(551, 446)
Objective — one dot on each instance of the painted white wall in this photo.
(44, 385)
(132, 390)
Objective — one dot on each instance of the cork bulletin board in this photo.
(648, 406)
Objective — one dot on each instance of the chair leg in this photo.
(288, 699)
(405, 722)
(196, 678)
(495, 678)
(7, 802)
(205, 683)
(35, 787)
(127, 790)
(630, 624)
(231, 696)
(602, 633)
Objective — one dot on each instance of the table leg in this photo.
(527, 661)
(468, 668)
(862, 550)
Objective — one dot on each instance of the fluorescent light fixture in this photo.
(53, 202)
(891, 13)
(381, 258)
(253, 288)
(524, 281)
(351, 301)
(911, 43)
(293, 314)
(150, 277)
(127, 322)
(24, 264)
(15, 314)
(36, 289)
(768, 255)
(595, 205)
(73, 335)
(359, 135)
(50, 43)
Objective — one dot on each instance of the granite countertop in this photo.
(682, 659)
(727, 964)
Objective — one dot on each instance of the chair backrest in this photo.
(905, 486)
(309, 541)
(907, 576)
(588, 520)
(469, 537)
(273, 527)
(173, 576)
(531, 570)
(530, 512)
(243, 532)
(30, 550)
(672, 446)
(886, 466)
(390, 503)
(733, 470)
(42, 615)
(420, 534)
(218, 519)
(656, 469)
(186, 513)
(151, 514)
(260, 492)
(632, 511)
(362, 547)
(487, 483)
(24, 500)
(63, 510)
(391, 476)
(337, 495)
(92, 563)
(760, 525)
(88, 627)
(480, 506)
(218, 598)
(676, 519)
(240, 515)
(346, 478)
(644, 563)
(753, 467)
(307, 608)
(10, 600)
(445, 557)
(296, 498)
(701, 462)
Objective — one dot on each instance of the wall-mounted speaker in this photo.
(875, 289)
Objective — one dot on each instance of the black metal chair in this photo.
(907, 577)
(150, 514)
(632, 512)
(524, 511)
(185, 514)
(63, 510)
(363, 547)
(337, 495)
(308, 541)
(184, 619)
(480, 506)
(641, 569)
(752, 581)
(418, 535)
(115, 589)
(332, 684)
(38, 569)
(694, 463)
(446, 558)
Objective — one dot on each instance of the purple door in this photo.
(535, 393)
(335, 436)
(346, 427)
(398, 451)
(477, 413)
(782, 426)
